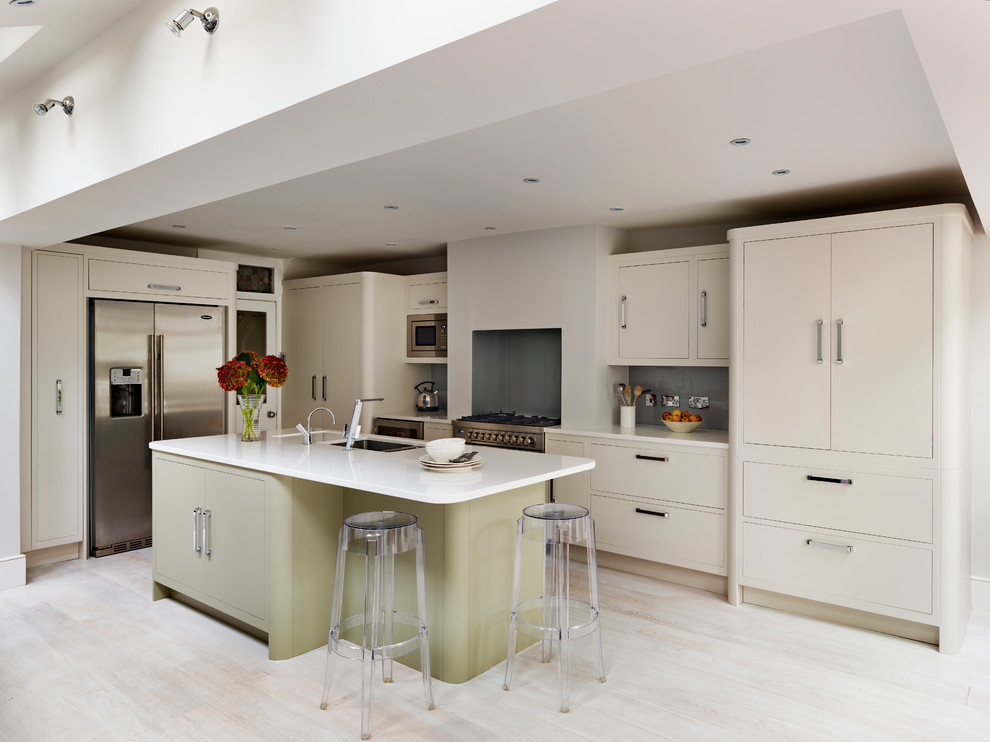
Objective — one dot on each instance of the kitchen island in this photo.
(247, 532)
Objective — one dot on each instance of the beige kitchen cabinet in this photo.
(850, 432)
(211, 539)
(58, 402)
(670, 307)
(344, 339)
(118, 276)
(576, 488)
(434, 430)
(838, 328)
(664, 503)
(426, 292)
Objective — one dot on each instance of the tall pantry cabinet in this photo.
(850, 426)
(344, 339)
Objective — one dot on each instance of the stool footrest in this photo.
(352, 650)
(576, 606)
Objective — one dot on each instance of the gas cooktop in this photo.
(511, 418)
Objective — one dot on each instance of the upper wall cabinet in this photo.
(426, 292)
(148, 278)
(670, 307)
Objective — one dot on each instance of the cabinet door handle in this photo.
(163, 287)
(324, 388)
(651, 458)
(196, 547)
(58, 396)
(820, 323)
(830, 480)
(827, 545)
(838, 342)
(657, 513)
(207, 519)
(429, 301)
(313, 388)
(704, 309)
(622, 313)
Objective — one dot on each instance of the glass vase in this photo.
(250, 405)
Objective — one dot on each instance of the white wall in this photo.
(542, 279)
(12, 564)
(981, 423)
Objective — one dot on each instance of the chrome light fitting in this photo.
(210, 18)
(68, 104)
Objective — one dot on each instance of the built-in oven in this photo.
(426, 336)
(398, 428)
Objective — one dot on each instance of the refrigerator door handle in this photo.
(158, 398)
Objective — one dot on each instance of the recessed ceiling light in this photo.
(290, 228)
(178, 226)
(616, 208)
(739, 141)
(21, 3)
(781, 171)
(276, 249)
(391, 244)
(531, 180)
(392, 207)
(490, 229)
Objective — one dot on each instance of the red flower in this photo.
(273, 370)
(233, 375)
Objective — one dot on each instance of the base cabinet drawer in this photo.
(854, 572)
(877, 504)
(661, 533)
(139, 278)
(671, 475)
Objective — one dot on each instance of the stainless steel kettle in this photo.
(428, 400)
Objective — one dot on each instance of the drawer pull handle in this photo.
(827, 545)
(653, 512)
(651, 458)
(429, 301)
(830, 480)
(163, 287)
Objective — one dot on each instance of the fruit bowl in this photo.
(681, 427)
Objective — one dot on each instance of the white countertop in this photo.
(395, 473)
(652, 434)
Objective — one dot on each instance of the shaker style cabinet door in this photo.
(786, 330)
(713, 308)
(302, 322)
(655, 310)
(882, 322)
(344, 351)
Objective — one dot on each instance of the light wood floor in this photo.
(86, 655)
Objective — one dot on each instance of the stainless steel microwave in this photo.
(427, 336)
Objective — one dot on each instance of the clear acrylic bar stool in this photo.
(556, 615)
(378, 536)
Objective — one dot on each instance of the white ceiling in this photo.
(849, 110)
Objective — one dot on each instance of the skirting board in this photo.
(13, 572)
(981, 594)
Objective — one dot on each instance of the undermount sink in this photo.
(368, 444)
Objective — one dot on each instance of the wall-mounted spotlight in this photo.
(68, 104)
(210, 18)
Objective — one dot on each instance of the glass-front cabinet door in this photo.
(256, 325)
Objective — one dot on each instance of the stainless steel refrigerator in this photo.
(153, 376)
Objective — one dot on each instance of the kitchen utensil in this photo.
(464, 457)
(627, 395)
(428, 399)
(637, 390)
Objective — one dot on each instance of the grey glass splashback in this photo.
(516, 371)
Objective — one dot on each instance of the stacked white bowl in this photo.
(442, 450)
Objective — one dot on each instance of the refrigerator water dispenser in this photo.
(125, 391)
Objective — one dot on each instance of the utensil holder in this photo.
(627, 417)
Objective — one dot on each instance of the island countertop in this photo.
(395, 473)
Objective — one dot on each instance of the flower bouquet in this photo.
(249, 374)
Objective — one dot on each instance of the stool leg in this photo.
(548, 609)
(372, 584)
(337, 596)
(388, 616)
(424, 647)
(513, 617)
(563, 600)
(593, 590)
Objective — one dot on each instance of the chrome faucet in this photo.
(354, 429)
(307, 434)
